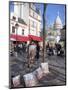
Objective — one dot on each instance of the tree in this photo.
(44, 9)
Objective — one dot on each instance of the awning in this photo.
(35, 38)
(19, 38)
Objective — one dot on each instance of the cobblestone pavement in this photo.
(57, 69)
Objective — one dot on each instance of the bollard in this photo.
(45, 68)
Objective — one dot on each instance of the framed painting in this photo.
(37, 44)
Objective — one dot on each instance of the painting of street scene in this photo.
(37, 44)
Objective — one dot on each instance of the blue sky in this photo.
(11, 6)
(51, 12)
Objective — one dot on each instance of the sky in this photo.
(51, 12)
(11, 6)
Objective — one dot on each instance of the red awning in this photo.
(35, 38)
(19, 38)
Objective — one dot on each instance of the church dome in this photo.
(58, 23)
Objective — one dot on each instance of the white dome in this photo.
(58, 23)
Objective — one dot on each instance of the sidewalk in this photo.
(56, 67)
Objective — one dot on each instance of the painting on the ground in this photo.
(37, 44)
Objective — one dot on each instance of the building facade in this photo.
(63, 36)
(53, 33)
(19, 32)
(28, 19)
(58, 26)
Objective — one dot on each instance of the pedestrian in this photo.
(37, 50)
(58, 48)
(50, 50)
(47, 46)
(32, 52)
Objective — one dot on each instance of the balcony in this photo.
(21, 21)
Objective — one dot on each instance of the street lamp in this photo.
(16, 26)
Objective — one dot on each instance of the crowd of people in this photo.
(32, 50)
(54, 50)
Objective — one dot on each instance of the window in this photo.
(37, 10)
(31, 12)
(31, 23)
(13, 29)
(35, 25)
(33, 6)
(22, 31)
(35, 15)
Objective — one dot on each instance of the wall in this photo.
(25, 12)
(12, 23)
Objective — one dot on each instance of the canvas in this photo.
(37, 44)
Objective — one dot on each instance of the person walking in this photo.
(37, 50)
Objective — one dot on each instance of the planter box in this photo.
(39, 73)
(30, 80)
(16, 81)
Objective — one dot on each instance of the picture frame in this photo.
(37, 38)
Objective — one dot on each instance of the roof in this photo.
(58, 23)
(21, 21)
